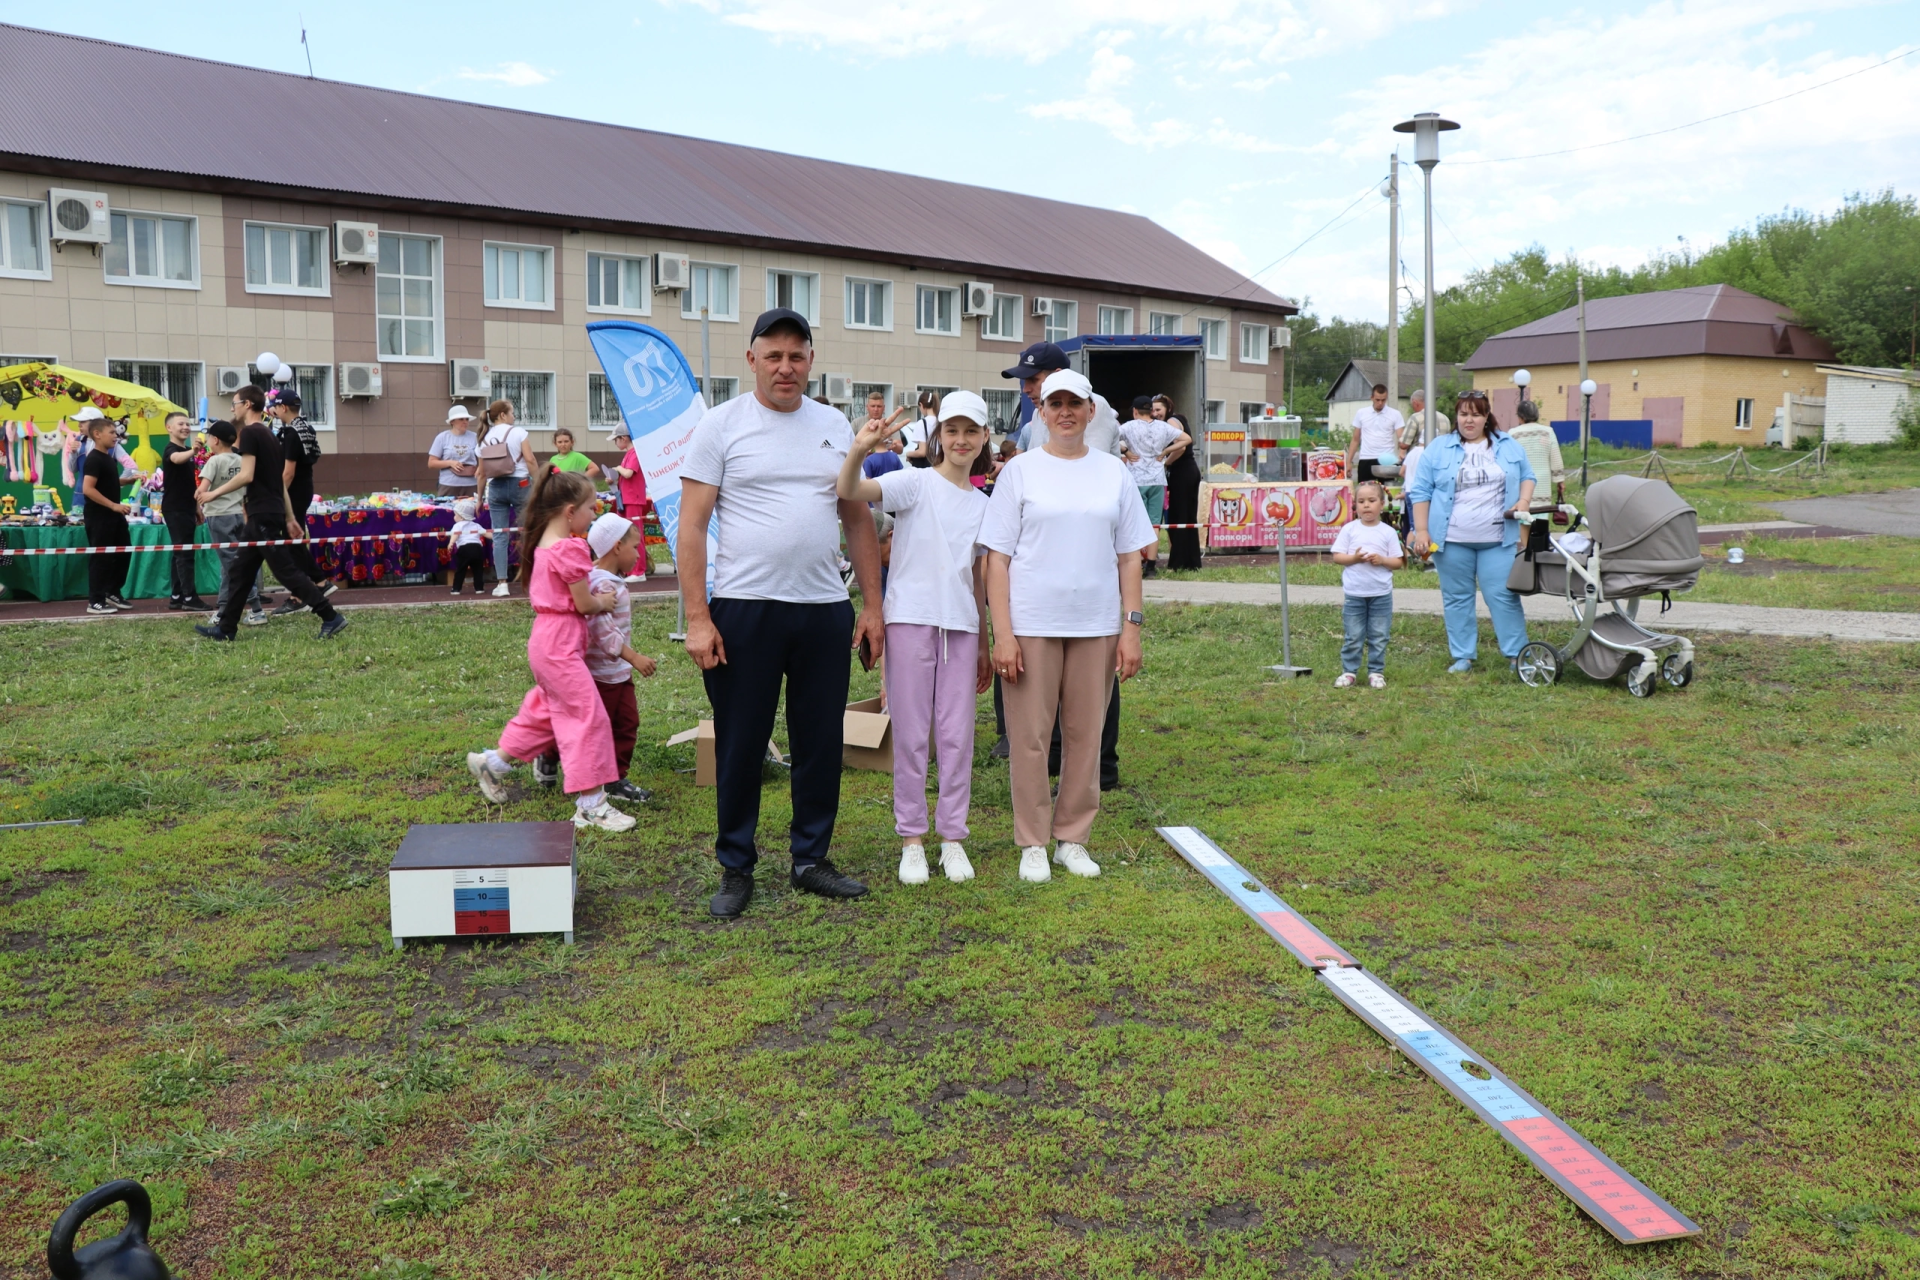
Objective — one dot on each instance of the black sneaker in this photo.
(288, 608)
(212, 631)
(333, 626)
(175, 604)
(625, 790)
(194, 604)
(329, 589)
(1149, 568)
(1001, 748)
(546, 771)
(118, 601)
(736, 890)
(825, 879)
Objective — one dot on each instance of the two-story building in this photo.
(166, 219)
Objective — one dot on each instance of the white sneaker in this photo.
(502, 590)
(1074, 858)
(1377, 681)
(1345, 681)
(489, 780)
(255, 618)
(953, 861)
(603, 816)
(913, 864)
(1033, 865)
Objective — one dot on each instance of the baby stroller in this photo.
(1644, 541)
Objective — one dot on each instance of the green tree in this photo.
(1321, 350)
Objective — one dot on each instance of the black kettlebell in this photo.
(126, 1256)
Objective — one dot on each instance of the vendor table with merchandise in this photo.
(1250, 513)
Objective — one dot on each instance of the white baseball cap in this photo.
(458, 412)
(965, 404)
(88, 413)
(606, 533)
(1069, 381)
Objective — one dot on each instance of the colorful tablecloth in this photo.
(65, 577)
(375, 556)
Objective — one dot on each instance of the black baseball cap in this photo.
(222, 431)
(777, 316)
(1041, 357)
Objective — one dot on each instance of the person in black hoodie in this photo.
(181, 512)
(301, 449)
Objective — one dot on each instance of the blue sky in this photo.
(1243, 125)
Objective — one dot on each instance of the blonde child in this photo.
(1370, 551)
(615, 543)
(562, 712)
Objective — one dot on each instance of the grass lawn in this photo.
(1686, 924)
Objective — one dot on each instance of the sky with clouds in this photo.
(1260, 130)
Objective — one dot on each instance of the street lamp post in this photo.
(1587, 388)
(1523, 379)
(1426, 129)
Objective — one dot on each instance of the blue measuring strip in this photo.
(1609, 1194)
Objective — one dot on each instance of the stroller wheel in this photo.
(1677, 672)
(1538, 665)
(1640, 681)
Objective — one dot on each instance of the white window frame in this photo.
(812, 313)
(847, 298)
(325, 287)
(1742, 414)
(988, 322)
(1210, 330)
(1051, 331)
(517, 304)
(1163, 322)
(553, 397)
(140, 282)
(1124, 314)
(646, 284)
(1259, 335)
(1215, 411)
(922, 291)
(600, 381)
(37, 210)
(689, 311)
(193, 410)
(439, 302)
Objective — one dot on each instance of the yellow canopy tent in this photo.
(49, 394)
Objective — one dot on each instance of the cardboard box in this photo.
(867, 737)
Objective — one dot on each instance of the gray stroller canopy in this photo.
(1649, 541)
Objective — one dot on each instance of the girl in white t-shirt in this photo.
(935, 609)
(1063, 533)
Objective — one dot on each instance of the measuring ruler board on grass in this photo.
(1610, 1195)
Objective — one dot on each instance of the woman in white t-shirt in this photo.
(935, 610)
(919, 434)
(506, 495)
(1063, 533)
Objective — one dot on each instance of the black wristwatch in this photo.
(1136, 617)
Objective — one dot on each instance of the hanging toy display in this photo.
(69, 452)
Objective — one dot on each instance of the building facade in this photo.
(205, 267)
(1705, 365)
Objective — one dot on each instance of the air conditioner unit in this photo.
(979, 299)
(356, 242)
(358, 379)
(471, 378)
(228, 379)
(671, 271)
(1280, 338)
(840, 387)
(79, 216)
(1043, 306)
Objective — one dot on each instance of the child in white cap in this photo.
(615, 542)
(469, 542)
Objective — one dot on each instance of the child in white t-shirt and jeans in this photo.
(1370, 551)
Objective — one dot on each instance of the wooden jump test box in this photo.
(483, 879)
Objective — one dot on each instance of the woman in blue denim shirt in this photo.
(1470, 486)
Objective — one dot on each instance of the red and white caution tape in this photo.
(218, 546)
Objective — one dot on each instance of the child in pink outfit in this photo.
(630, 480)
(563, 711)
(935, 603)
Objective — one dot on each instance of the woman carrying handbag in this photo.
(506, 468)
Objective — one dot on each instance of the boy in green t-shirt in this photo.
(565, 459)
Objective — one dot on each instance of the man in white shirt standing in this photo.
(768, 463)
(1375, 429)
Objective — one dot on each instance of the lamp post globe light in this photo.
(1587, 388)
(1426, 129)
(1523, 379)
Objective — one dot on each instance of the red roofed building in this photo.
(1706, 365)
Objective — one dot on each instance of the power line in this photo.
(1594, 146)
(1370, 190)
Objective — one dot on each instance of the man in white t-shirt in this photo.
(1375, 429)
(1145, 445)
(767, 464)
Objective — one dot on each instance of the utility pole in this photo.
(1586, 396)
(1393, 280)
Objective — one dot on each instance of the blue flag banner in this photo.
(661, 403)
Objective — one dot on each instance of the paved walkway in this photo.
(347, 600)
(1897, 512)
(1826, 624)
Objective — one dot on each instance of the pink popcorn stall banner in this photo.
(1252, 515)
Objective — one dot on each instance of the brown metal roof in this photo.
(1708, 319)
(139, 115)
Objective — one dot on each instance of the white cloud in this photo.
(515, 75)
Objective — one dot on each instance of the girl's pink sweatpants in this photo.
(930, 694)
(563, 710)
